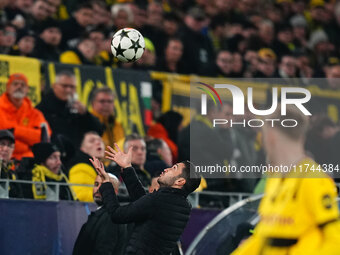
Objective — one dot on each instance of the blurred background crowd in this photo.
(295, 40)
(224, 38)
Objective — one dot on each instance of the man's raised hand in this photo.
(121, 158)
(99, 166)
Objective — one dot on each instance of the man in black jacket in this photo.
(159, 217)
(99, 235)
(66, 115)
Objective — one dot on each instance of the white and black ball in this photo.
(128, 45)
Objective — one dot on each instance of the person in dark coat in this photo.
(99, 235)
(66, 115)
(198, 48)
(45, 167)
(159, 217)
(75, 26)
(7, 166)
(48, 42)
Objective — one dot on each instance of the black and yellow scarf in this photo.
(39, 174)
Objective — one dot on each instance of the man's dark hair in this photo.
(192, 179)
(132, 137)
(85, 5)
(218, 21)
(154, 144)
(171, 16)
(105, 90)
(174, 38)
(88, 133)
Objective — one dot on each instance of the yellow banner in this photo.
(29, 67)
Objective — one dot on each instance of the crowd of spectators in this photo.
(55, 144)
(224, 38)
(292, 40)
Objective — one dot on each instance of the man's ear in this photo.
(180, 181)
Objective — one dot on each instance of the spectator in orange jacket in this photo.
(167, 128)
(17, 113)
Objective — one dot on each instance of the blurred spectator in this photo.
(84, 53)
(148, 59)
(47, 168)
(287, 70)
(333, 28)
(198, 49)
(316, 15)
(200, 131)
(17, 112)
(283, 43)
(155, 14)
(158, 156)
(153, 29)
(39, 12)
(172, 58)
(99, 235)
(139, 15)
(266, 64)
(217, 31)
(171, 24)
(138, 157)
(103, 108)
(106, 56)
(97, 35)
(75, 27)
(238, 68)
(322, 139)
(101, 13)
(122, 16)
(321, 48)
(8, 39)
(299, 24)
(274, 14)
(24, 44)
(306, 72)
(333, 77)
(251, 63)
(7, 167)
(48, 42)
(265, 37)
(81, 170)
(167, 128)
(17, 11)
(66, 115)
(224, 64)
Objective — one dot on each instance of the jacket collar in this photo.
(173, 190)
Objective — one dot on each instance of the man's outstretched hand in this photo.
(121, 158)
(100, 169)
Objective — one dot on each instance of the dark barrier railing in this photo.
(51, 228)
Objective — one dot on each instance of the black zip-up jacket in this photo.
(159, 217)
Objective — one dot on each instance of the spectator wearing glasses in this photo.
(67, 116)
(17, 113)
(6, 163)
(104, 109)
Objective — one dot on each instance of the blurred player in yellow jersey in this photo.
(298, 213)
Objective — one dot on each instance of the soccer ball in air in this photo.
(127, 45)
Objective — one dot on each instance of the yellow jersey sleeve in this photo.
(252, 245)
(320, 198)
